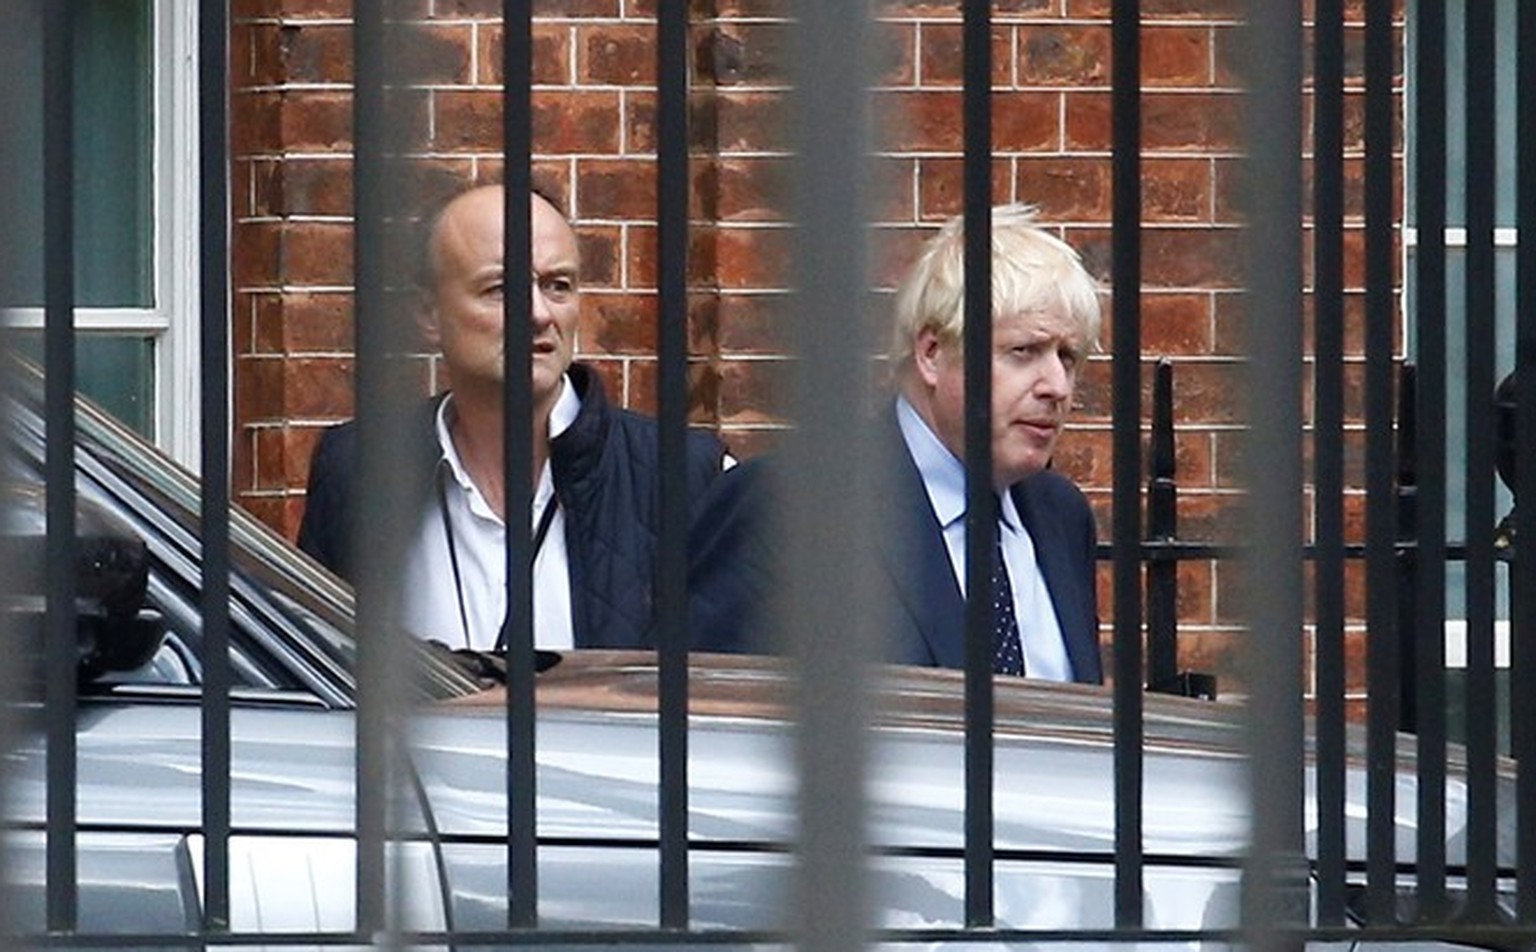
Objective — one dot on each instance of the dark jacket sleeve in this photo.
(325, 529)
(731, 562)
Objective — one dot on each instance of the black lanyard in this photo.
(546, 519)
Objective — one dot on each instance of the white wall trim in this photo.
(1457, 237)
(1456, 643)
(149, 321)
(178, 377)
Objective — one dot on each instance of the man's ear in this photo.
(426, 323)
(927, 351)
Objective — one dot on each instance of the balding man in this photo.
(595, 466)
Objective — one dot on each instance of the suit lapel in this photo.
(1058, 560)
(918, 564)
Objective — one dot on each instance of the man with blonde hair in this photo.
(1045, 320)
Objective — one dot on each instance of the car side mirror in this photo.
(114, 631)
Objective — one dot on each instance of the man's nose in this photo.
(540, 310)
(1055, 381)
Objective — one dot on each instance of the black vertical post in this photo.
(1162, 526)
(1275, 877)
(672, 405)
(1381, 535)
(59, 465)
(19, 31)
(522, 775)
(1328, 449)
(1482, 707)
(1407, 561)
(1523, 588)
(213, 183)
(1428, 625)
(1129, 765)
(980, 496)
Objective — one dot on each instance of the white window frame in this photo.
(173, 321)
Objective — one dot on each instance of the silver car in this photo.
(293, 848)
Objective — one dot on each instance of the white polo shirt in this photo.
(1045, 653)
(432, 598)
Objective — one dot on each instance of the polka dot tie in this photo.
(1007, 649)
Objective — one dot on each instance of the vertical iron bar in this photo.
(1523, 594)
(1482, 708)
(981, 496)
(19, 31)
(1407, 556)
(830, 582)
(522, 773)
(1328, 449)
(1162, 526)
(59, 466)
(672, 215)
(1129, 765)
(1275, 879)
(213, 227)
(368, 199)
(386, 400)
(1381, 535)
(1430, 458)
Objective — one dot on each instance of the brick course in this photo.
(594, 141)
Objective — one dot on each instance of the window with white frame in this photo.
(136, 212)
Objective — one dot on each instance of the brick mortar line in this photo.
(1056, 152)
(297, 289)
(745, 291)
(324, 86)
(304, 355)
(461, 20)
(999, 20)
(338, 290)
(1061, 88)
(745, 357)
(299, 218)
(298, 156)
(482, 156)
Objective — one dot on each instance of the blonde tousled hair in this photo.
(1032, 271)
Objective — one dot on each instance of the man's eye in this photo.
(558, 289)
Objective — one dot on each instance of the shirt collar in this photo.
(567, 407)
(943, 474)
(448, 453)
(561, 416)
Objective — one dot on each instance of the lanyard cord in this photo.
(541, 532)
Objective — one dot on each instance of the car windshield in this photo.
(291, 620)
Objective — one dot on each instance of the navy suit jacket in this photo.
(929, 624)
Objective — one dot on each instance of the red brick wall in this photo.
(593, 128)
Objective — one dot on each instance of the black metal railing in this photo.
(1358, 869)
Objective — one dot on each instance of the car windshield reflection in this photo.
(291, 620)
